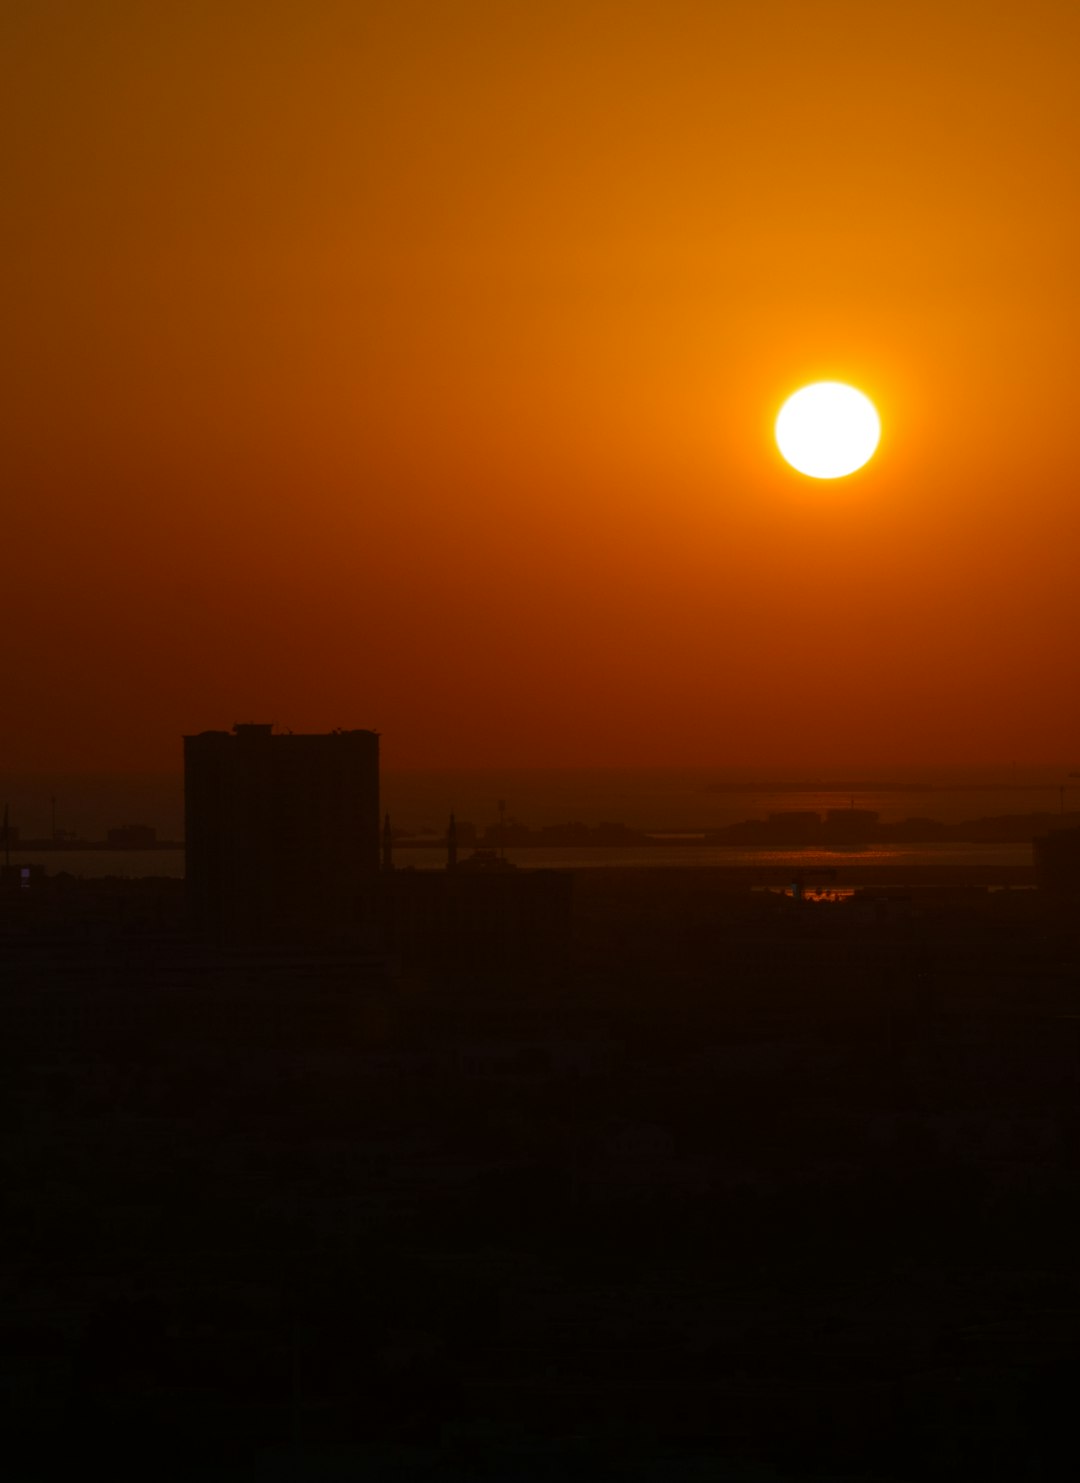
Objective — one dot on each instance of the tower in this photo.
(282, 832)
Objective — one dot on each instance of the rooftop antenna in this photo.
(502, 828)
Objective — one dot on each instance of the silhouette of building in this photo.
(282, 833)
(1057, 862)
(481, 912)
(479, 918)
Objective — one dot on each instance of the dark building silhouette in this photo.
(282, 833)
(1057, 862)
(481, 912)
(479, 919)
(285, 846)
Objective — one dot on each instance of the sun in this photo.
(828, 430)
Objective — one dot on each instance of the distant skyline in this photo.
(684, 798)
(415, 366)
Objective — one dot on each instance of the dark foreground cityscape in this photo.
(323, 1167)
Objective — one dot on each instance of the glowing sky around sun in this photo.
(417, 366)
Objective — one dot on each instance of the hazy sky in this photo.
(414, 365)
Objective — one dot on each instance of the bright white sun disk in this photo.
(828, 430)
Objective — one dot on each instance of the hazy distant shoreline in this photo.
(974, 864)
(81, 846)
(652, 800)
(877, 787)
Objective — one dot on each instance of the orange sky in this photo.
(414, 366)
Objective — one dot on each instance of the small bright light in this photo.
(828, 430)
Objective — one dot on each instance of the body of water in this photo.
(654, 799)
(738, 857)
(100, 863)
(974, 857)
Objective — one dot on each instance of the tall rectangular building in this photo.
(282, 832)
